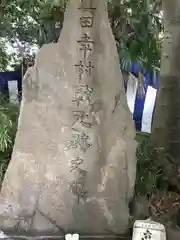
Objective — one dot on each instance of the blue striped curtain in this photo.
(142, 107)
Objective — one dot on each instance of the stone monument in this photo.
(73, 165)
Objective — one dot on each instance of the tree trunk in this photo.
(166, 124)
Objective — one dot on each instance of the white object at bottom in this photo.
(148, 230)
(72, 237)
(2, 235)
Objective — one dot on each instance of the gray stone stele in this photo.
(62, 122)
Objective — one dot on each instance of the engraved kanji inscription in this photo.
(80, 140)
(80, 68)
(85, 45)
(84, 69)
(88, 69)
(83, 94)
(75, 163)
(87, 119)
(77, 186)
(86, 21)
(77, 189)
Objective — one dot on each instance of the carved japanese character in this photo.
(86, 21)
(84, 69)
(78, 190)
(86, 45)
(80, 140)
(86, 119)
(80, 67)
(75, 163)
(77, 186)
(83, 142)
(89, 68)
(82, 94)
(73, 143)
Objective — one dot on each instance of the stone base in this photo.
(33, 236)
(14, 234)
(171, 235)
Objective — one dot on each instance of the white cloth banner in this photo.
(13, 91)
(149, 102)
(148, 109)
(132, 85)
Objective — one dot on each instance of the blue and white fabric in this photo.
(10, 84)
(141, 107)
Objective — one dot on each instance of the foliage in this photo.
(26, 25)
(136, 26)
(152, 166)
(8, 124)
(137, 30)
(149, 170)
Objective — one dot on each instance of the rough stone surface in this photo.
(74, 125)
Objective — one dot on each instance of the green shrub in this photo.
(149, 171)
(8, 125)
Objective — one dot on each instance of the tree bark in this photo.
(166, 124)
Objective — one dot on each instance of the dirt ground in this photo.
(164, 207)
